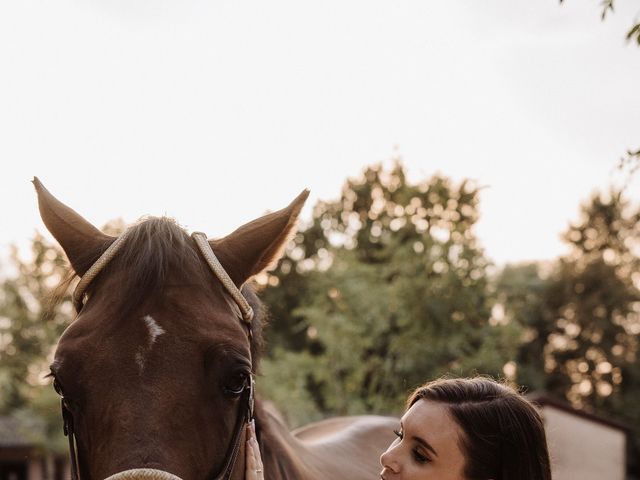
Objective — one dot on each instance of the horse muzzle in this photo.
(143, 474)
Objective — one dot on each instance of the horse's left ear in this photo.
(82, 242)
(259, 244)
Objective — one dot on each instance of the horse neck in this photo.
(284, 457)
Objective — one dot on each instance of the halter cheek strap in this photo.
(245, 415)
(219, 271)
(96, 268)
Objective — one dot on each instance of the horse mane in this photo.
(278, 455)
(155, 248)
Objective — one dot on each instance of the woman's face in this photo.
(427, 447)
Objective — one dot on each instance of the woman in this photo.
(459, 429)
(468, 429)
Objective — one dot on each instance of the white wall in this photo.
(582, 449)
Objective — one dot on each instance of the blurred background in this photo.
(474, 208)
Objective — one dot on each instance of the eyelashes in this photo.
(419, 457)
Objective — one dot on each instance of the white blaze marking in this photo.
(155, 331)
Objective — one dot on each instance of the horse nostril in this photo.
(143, 474)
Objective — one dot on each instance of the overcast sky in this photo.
(215, 111)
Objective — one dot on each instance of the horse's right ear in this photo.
(81, 241)
(258, 245)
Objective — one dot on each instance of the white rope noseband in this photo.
(143, 474)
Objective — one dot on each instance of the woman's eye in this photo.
(398, 433)
(420, 458)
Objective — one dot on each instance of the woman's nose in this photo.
(388, 460)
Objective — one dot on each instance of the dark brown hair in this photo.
(503, 437)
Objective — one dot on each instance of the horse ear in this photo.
(259, 244)
(81, 241)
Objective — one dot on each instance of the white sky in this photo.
(215, 111)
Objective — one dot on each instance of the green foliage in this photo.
(596, 304)
(521, 291)
(582, 319)
(406, 297)
(30, 326)
(27, 340)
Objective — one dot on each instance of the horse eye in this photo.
(236, 384)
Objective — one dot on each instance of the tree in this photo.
(29, 328)
(594, 297)
(581, 320)
(521, 291)
(395, 293)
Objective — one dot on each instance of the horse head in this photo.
(156, 367)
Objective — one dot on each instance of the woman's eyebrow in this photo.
(425, 444)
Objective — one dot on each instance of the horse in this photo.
(156, 371)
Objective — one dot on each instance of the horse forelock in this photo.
(157, 254)
(156, 251)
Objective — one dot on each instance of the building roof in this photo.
(544, 399)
